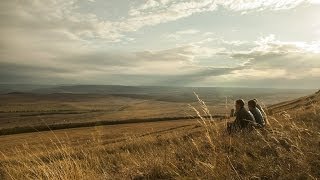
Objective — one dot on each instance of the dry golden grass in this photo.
(18, 110)
(27, 110)
(287, 149)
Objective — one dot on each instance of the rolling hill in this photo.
(303, 103)
(198, 149)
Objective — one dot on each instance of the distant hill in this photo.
(9, 88)
(180, 94)
(165, 93)
(306, 102)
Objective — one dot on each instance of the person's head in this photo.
(239, 104)
(252, 104)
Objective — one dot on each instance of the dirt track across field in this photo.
(28, 129)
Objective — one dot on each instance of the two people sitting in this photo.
(245, 119)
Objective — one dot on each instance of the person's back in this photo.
(244, 118)
(264, 114)
(261, 110)
(258, 116)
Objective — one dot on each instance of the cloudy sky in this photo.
(251, 43)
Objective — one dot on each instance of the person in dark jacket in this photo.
(252, 105)
(244, 119)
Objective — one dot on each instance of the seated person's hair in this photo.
(252, 103)
(240, 102)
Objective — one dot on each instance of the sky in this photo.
(231, 43)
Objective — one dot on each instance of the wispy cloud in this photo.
(292, 58)
(156, 12)
(63, 16)
(52, 40)
(179, 34)
(59, 14)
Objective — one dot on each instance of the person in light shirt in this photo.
(259, 119)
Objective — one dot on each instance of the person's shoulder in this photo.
(244, 111)
(257, 110)
(252, 111)
(259, 107)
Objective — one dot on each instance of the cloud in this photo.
(267, 59)
(261, 4)
(164, 66)
(51, 40)
(271, 58)
(198, 75)
(234, 43)
(156, 12)
(179, 34)
(56, 15)
(188, 31)
(63, 16)
(98, 64)
(23, 73)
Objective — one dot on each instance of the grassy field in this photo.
(20, 110)
(287, 149)
(30, 110)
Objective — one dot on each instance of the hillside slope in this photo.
(303, 103)
(287, 149)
